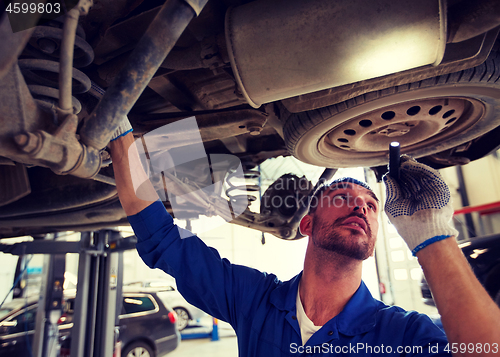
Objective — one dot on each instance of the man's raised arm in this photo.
(470, 318)
(419, 206)
(134, 188)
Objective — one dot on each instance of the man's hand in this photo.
(419, 205)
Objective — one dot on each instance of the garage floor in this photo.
(225, 347)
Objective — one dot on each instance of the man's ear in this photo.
(305, 225)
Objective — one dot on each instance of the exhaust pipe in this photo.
(284, 48)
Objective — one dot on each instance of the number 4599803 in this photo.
(472, 348)
(32, 8)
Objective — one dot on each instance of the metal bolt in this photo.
(27, 142)
(286, 232)
(254, 130)
(21, 139)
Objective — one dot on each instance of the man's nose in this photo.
(360, 207)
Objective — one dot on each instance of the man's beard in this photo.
(334, 238)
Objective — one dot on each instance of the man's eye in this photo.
(341, 197)
(372, 207)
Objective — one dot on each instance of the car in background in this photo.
(147, 326)
(17, 327)
(483, 255)
(18, 324)
(168, 293)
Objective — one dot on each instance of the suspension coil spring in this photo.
(41, 68)
(248, 175)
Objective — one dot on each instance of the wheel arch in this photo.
(144, 340)
(183, 308)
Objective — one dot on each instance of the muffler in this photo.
(284, 48)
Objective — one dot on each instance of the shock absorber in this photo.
(234, 181)
(60, 150)
(41, 70)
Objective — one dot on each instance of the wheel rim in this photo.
(408, 122)
(182, 318)
(480, 113)
(415, 124)
(138, 352)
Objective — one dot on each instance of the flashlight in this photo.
(394, 160)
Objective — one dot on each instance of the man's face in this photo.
(346, 221)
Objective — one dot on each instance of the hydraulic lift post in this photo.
(98, 291)
(49, 306)
(98, 295)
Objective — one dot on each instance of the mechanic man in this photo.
(326, 309)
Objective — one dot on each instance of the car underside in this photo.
(330, 82)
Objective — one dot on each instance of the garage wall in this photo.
(7, 271)
(482, 181)
(32, 276)
(398, 270)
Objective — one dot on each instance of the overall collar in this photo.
(358, 315)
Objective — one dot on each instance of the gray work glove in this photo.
(123, 129)
(419, 205)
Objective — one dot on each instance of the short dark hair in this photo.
(335, 185)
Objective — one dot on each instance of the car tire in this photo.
(182, 318)
(138, 349)
(426, 117)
